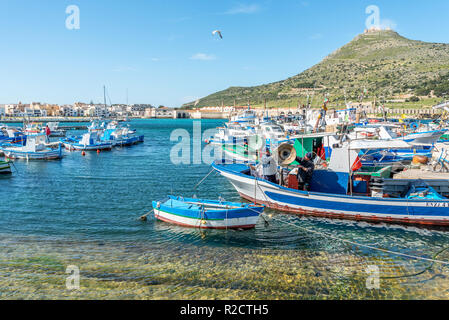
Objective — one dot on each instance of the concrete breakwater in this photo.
(273, 112)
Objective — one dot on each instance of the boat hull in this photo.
(49, 154)
(193, 214)
(235, 223)
(80, 147)
(399, 211)
(424, 138)
(5, 168)
(33, 156)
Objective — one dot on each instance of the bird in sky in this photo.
(215, 32)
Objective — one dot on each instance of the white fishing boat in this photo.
(334, 193)
(89, 141)
(35, 149)
(55, 130)
(247, 117)
(230, 133)
(425, 138)
(121, 136)
(271, 131)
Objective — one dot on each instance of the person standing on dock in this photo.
(305, 171)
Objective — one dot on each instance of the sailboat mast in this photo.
(104, 96)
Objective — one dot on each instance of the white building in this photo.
(12, 110)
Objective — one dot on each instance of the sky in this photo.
(162, 51)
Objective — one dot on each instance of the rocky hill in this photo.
(382, 64)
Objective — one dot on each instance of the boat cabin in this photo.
(35, 143)
(318, 143)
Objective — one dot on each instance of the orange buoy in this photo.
(83, 153)
(98, 150)
(420, 160)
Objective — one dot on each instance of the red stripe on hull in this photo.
(322, 214)
(246, 227)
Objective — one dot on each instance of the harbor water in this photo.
(84, 211)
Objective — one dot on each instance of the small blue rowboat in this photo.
(207, 214)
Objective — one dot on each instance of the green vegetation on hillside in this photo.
(383, 63)
(440, 87)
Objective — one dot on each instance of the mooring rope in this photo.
(355, 243)
(202, 180)
(12, 162)
(367, 246)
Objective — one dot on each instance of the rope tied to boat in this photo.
(325, 235)
(202, 180)
(349, 241)
(13, 164)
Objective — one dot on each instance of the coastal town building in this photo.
(79, 109)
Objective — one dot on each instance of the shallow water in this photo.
(84, 211)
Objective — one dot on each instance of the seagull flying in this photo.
(217, 32)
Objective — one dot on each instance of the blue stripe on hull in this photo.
(384, 210)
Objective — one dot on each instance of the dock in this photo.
(67, 128)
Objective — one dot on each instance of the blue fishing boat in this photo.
(207, 214)
(121, 137)
(35, 148)
(334, 193)
(89, 141)
(12, 135)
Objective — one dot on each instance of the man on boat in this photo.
(269, 166)
(305, 171)
(47, 133)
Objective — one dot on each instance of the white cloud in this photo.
(388, 24)
(203, 56)
(316, 36)
(124, 69)
(244, 9)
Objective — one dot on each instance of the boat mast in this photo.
(104, 96)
